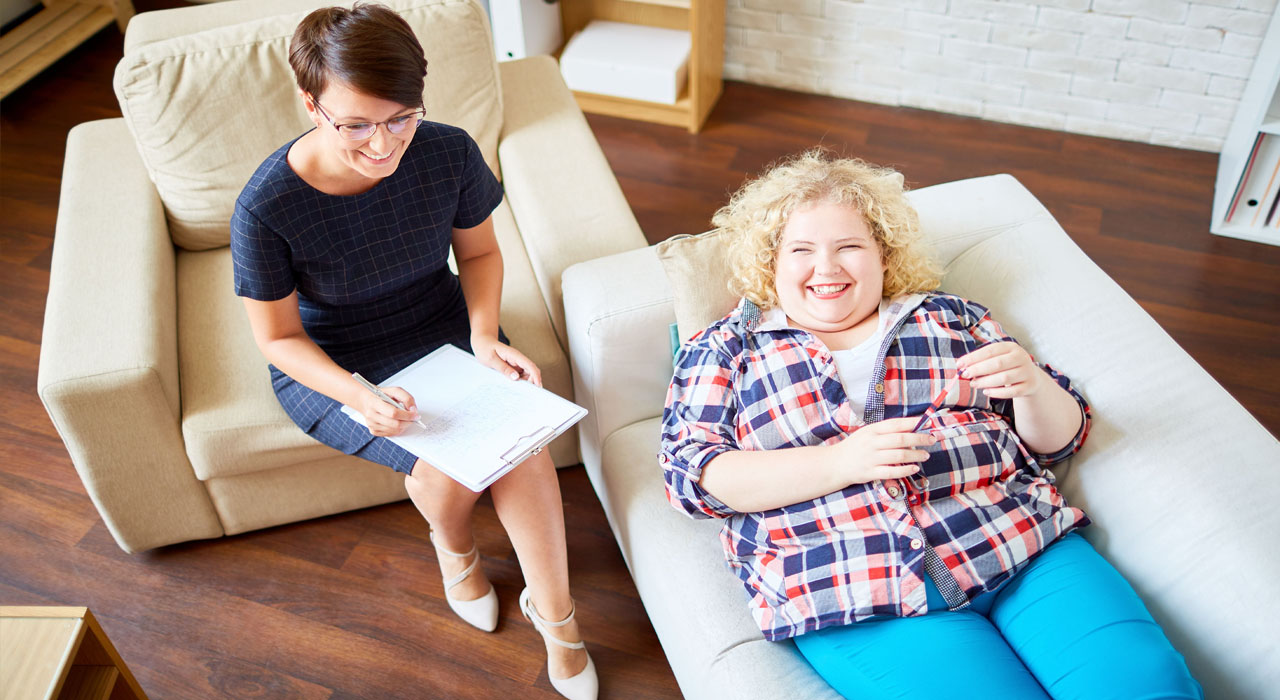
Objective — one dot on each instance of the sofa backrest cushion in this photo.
(698, 271)
(207, 108)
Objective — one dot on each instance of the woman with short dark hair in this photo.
(340, 243)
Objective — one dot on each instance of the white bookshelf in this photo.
(1257, 116)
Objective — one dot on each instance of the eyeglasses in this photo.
(359, 131)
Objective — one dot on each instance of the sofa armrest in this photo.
(108, 358)
(618, 310)
(565, 198)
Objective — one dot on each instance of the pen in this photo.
(937, 402)
(383, 395)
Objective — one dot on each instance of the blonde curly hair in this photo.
(757, 213)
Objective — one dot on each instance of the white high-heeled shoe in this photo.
(481, 612)
(585, 685)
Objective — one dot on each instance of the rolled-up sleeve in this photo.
(986, 330)
(697, 426)
(1085, 421)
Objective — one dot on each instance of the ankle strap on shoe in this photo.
(531, 612)
(449, 584)
(431, 535)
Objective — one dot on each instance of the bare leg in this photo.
(527, 501)
(447, 506)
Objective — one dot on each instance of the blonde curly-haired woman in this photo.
(876, 449)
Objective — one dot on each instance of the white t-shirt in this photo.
(856, 365)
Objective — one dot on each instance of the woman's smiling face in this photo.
(829, 274)
(375, 157)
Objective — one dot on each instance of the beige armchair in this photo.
(147, 366)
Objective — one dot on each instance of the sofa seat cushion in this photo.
(207, 108)
(302, 491)
(689, 587)
(231, 420)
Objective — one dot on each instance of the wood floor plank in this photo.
(23, 238)
(11, 595)
(39, 459)
(59, 517)
(23, 290)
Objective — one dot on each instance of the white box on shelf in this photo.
(627, 60)
(523, 28)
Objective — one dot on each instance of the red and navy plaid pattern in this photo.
(978, 510)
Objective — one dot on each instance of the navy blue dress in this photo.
(371, 270)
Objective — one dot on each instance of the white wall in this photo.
(1167, 72)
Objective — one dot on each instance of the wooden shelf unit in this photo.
(51, 34)
(49, 653)
(703, 19)
(1257, 115)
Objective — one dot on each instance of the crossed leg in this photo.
(527, 501)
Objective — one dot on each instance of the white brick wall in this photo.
(1168, 72)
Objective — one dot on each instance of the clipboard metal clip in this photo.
(535, 441)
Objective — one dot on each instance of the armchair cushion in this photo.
(206, 108)
(231, 421)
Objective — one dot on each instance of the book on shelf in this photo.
(1259, 185)
(1271, 211)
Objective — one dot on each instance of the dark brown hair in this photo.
(369, 47)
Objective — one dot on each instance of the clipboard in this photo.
(479, 423)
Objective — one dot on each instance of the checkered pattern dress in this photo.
(980, 508)
(371, 270)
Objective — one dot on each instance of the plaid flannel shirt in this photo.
(979, 509)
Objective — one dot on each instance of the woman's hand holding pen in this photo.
(383, 419)
(1048, 417)
(512, 363)
(887, 449)
(1002, 370)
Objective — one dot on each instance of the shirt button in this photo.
(916, 544)
(893, 491)
(880, 388)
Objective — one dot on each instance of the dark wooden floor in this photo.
(351, 606)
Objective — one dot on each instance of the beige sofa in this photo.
(147, 365)
(1181, 482)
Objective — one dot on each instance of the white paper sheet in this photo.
(479, 423)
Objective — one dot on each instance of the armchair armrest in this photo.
(618, 311)
(565, 198)
(108, 358)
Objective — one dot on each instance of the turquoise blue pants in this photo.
(1068, 627)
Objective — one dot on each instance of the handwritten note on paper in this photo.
(475, 417)
(460, 431)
